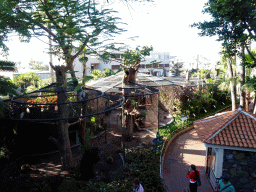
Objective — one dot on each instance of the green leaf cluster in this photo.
(96, 74)
(71, 25)
(133, 57)
(142, 164)
(232, 21)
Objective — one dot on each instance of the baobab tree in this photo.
(131, 60)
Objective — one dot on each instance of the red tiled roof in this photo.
(232, 128)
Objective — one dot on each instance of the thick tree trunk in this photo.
(128, 79)
(63, 112)
(84, 67)
(232, 85)
(164, 73)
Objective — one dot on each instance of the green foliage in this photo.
(250, 83)
(6, 86)
(177, 125)
(31, 77)
(7, 65)
(73, 26)
(107, 72)
(177, 68)
(142, 164)
(36, 185)
(97, 74)
(233, 21)
(133, 57)
(8, 137)
(189, 102)
(36, 65)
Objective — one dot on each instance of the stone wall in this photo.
(241, 166)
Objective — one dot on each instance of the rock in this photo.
(239, 156)
(244, 180)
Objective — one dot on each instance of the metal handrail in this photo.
(213, 180)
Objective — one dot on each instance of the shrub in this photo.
(142, 164)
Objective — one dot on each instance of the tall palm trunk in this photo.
(232, 84)
(242, 97)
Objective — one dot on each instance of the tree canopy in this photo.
(233, 21)
(70, 24)
(134, 57)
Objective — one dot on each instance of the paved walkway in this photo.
(185, 150)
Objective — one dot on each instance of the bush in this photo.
(142, 164)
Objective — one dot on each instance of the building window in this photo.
(115, 67)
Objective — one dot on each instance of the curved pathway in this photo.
(184, 150)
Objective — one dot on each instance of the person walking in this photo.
(224, 185)
(137, 187)
(193, 175)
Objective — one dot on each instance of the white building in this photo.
(95, 63)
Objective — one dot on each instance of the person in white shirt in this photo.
(137, 187)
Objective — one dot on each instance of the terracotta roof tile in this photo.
(232, 128)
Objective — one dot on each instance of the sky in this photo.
(164, 24)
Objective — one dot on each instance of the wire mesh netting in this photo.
(114, 83)
(44, 104)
